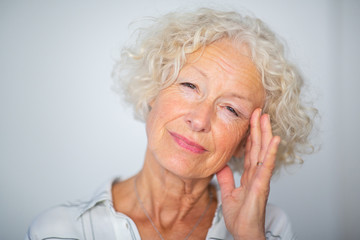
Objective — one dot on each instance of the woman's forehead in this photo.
(226, 55)
(224, 58)
(236, 48)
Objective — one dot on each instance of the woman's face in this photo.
(197, 124)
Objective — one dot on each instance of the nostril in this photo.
(198, 124)
(199, 117)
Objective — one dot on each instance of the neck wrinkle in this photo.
(169, 198)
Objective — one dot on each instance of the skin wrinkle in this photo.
(247, 65)
(171, 215)
(225, 96)
(241, 98)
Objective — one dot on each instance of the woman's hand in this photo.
(244, 207)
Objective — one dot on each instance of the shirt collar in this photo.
(102, 194)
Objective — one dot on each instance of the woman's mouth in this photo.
(187, 144)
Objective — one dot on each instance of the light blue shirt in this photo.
(97, 219)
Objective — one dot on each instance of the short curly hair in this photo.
(154, 61)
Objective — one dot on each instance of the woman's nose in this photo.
(199, 117)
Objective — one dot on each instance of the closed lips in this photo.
(187, 144)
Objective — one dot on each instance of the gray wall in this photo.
(63, 131)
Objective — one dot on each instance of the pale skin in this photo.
(193, 129)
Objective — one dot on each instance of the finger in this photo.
(255, 134)
(261, 188)
(270, 157)
(266, 135)
(268, 166)
(226, 182)
(247, 153)
(245, 174)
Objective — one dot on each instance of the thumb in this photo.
(226, 182)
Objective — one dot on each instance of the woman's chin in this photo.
(182, 164)
(187, 171)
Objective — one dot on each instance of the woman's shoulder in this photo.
(72, 220)
(63, 221)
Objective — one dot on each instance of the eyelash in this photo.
(189, 85)
(232, 110)
(193, 86)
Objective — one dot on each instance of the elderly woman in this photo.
(211, 86)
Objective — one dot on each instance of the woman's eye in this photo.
(189, 85)
(232, 110)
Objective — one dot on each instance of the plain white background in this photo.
(63, 131)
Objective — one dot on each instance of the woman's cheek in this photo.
(233, 129)
(189, 95)
(227, 118)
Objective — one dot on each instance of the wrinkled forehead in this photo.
(238, 48)
(229, 56)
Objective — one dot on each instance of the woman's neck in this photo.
(168, 197)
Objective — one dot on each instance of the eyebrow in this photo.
(240, 97)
